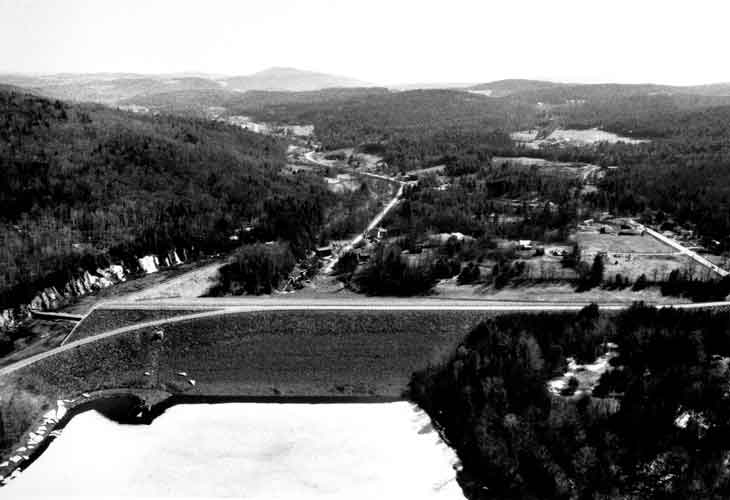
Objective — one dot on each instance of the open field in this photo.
(588, 136)
(570, 137)
(421, 172)
(633, 256)
(594, 242)
(656, 268)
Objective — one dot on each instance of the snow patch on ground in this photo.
(587, 375)
(149, 264)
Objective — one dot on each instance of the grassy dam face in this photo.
(326, 354)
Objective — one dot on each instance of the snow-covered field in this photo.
(249, 450)
(570, 137)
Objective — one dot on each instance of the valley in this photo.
(458, 249)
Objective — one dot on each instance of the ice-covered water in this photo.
(250, 450)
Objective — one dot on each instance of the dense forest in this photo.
(84, 184)
(655, 426)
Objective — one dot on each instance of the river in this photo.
(249, 450)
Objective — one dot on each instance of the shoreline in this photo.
(131, 407)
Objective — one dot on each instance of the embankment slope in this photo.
(266, 353)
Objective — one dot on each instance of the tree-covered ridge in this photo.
(410, 129)
(199, 102)
(656, 426)
(87, 181)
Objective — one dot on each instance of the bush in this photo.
(469, 274)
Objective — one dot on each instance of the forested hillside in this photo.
(84, 184)
(655, 426)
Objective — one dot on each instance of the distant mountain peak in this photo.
(290, 79)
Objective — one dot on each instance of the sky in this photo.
(384, 42)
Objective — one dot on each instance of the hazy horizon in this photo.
(382, 43)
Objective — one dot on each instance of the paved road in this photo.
(239, 305)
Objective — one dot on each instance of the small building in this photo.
(324, 251)
(363, 256)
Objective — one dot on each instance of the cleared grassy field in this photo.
(597, 242)
(103, 320)
(631, 256)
